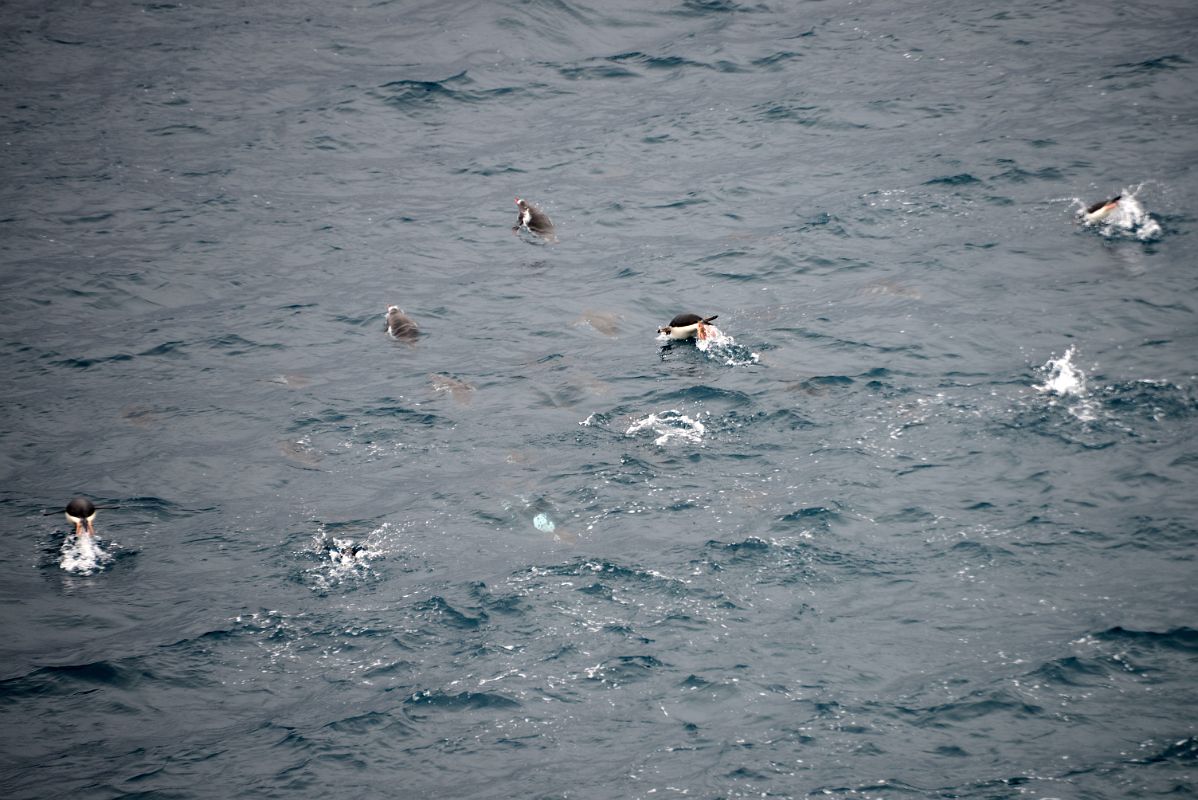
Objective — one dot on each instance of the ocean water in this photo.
(917, 521)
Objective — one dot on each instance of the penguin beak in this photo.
(83, 525)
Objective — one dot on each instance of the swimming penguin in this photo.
(1100, 210)
(345, 551)
(533, 219)
(82, 512)
(400, 325)
(686, 326)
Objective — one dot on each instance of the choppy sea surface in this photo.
(917, 520)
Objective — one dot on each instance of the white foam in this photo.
(1066, 380)
(83, 555)
(1063, 377)
(668, 425)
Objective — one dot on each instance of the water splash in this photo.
(341, 562)
(1128, 220)
(720, 346)
(83, 555)
(347, 553)
(669, 425)
(1063, 379)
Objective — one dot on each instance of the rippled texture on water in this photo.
(922, 527)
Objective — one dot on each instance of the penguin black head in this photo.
(82, 512)
(400, 325)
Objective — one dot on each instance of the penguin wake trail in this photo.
(82, 555)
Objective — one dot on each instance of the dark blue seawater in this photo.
(920, 524)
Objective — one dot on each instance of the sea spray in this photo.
(1066, 381)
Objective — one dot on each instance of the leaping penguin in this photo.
(1100, 210)
(686, 326)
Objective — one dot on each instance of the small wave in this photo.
(1183, 638)
(610, 570)
(1129, 220)
(622, 669)
(1168, 62)
(415, 95)
(440, 611)
(669, 425)
(962, 179)
(1071, 671)
(83, 555)
(1182, 750)
(370, 723)
(175, 130)
(462, 701)
(699, 8)
(977, 705)
(600, 72)
(69, 679)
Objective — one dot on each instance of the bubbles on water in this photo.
(543, 514)
(1128, 220)
(669, 426)
(83, 555)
